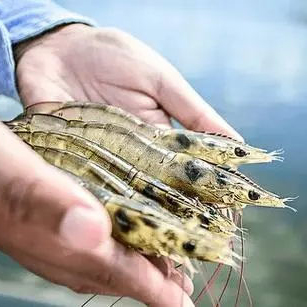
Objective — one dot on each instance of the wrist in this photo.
(58, 33)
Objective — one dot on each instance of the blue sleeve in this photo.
(23, 19)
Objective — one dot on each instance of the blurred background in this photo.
(249, 60)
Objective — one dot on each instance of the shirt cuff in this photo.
(7, 65)
(37, 17)
(22, 23)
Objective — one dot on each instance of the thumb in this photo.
(36, 198)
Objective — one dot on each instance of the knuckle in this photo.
(111, 280)
(159, 82)
(107, 279)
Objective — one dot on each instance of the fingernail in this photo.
(188, 285)
(229, 130)
(232, 132)
(82, 228)
(237, 136)
(183, 281)
(187, 302)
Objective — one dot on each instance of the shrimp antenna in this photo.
(113, 304)
(225, 286)
(227, 280)
(91, 298)
(289, 199)
(183, 279)
(212, 299)
(242, 263)
(248, 292)
(209, 284)
(276, 155)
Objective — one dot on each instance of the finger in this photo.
(110, 267)
(183, 280)
(146, 282)
(36, 198)
(57, 274)
(106, 272)
(181, 101)
(166, 266)
(136, 102)
(156, 117)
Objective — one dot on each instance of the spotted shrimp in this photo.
(191, 176)
(215, 148)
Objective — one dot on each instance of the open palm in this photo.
(78, 62)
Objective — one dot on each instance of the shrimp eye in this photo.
(253, 195)
(239, 152)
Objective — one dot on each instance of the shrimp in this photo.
(153, 232)
(191, 176)
(212, 147)
(80, 157)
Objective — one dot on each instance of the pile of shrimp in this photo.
(174, 193)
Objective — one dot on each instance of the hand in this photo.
(65, 237)
(78, 62)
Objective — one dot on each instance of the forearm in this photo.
(21, 20)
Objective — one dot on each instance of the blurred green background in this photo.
(249, 60)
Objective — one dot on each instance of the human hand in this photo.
(78, 62)
(59, 231)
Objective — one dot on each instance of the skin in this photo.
(68, 232)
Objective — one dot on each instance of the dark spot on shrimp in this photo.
(142, 125)
(193, 171)
(171, 202)
(183, 140)
(204, 220)
(123, 221)
(220, 178)
(149, 192)
(212, 211)
(239, 152)
(187, 213)
(211, 144)
(149, 223)
(170, 235)
(189, 246)
(253, 195)
(163, 245)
